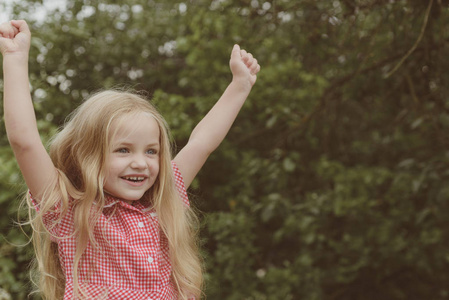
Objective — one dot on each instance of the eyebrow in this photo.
(124, 143)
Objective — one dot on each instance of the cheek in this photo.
(154, 170)
(112, 167)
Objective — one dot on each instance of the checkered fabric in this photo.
(133, 259)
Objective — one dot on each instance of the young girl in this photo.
(110, 212)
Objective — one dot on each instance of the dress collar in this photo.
(111, 201)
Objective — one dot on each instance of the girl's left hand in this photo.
(244, 66)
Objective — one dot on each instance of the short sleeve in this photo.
(33, 201)
(179, 183)
(50, 218)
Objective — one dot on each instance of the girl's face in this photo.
(132, 165)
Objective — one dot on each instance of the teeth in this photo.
(134, 178)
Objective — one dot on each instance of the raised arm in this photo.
(212, 129)
(34, 162)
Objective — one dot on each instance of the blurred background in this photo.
(333, 182)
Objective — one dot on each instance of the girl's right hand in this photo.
(15, 38)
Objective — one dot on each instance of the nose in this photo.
(138, 162)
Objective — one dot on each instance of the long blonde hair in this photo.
(78, 152)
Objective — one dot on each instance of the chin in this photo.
(125, 197)
(131, 198)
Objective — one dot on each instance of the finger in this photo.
(21, 25)
(244, 55)
(250, 60)
(257, 69)
(10, 33)
(253, 67)
(235, 51)
(15, 30)
(6, 30)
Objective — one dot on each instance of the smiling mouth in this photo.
(134, 178)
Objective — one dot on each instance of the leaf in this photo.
(288, 164)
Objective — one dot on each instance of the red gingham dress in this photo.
(132, 261)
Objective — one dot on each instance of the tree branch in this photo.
(423, 29)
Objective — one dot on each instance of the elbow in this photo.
(202, 147)
(20, 144)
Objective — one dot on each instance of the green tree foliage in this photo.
(332, 182)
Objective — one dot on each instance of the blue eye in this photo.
(152, 151)
(122, 150)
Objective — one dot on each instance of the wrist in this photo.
(241, 85)
(15, 57)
